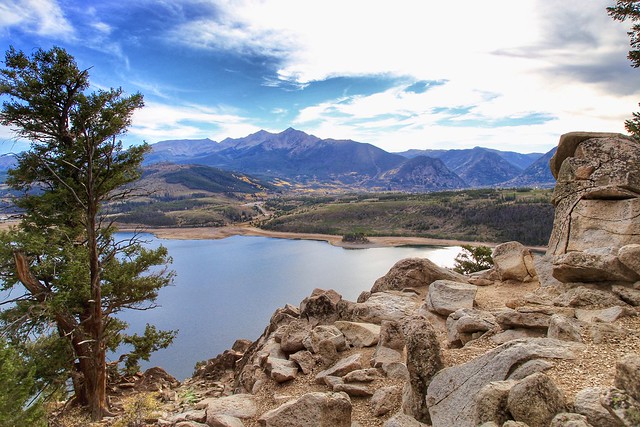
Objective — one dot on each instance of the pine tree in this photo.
(18, 403)
(74, 273)
(623, 10)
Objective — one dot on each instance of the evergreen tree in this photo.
(623, 10)
(17, 390)
(63, 255)
(472, 259)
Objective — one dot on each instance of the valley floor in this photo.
(243, 230)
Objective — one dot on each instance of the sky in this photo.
(404, 74)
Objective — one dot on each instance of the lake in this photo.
(228, 289)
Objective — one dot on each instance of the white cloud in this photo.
(156, 122)
(503, 58)
(43, 17)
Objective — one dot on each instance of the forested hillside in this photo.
(477, 215)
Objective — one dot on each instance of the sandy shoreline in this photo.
(212, 233)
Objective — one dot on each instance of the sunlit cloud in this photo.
(43, 17)
(156, 122)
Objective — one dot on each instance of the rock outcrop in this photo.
(427, 347)
(597, 200)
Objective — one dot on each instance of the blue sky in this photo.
(505, 74)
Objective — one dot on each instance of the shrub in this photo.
(472, 259)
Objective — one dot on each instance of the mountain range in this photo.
(299, 158)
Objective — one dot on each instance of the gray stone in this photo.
(530, 367)
(564, 328)
(567, 419)
(241, 406)
(342, 367)
(197, 415)
(509, 318)
(587, 403)
(381, 306)
(186, 424)
(403, 420)
(311, 410)
(305, 361)
(606, 315)
(385, 356)
(517, 334)
(332, 382)
(359, 334)
(424, 359)
(327, 352)
(585, 297)
(620, 404)
(590, 267)
(321, 307)
(629, 255)
(491, 402)
(627, 375)
(514, 262)
(535, 400)
(281, 370)
(414, 273)
(353, 389)
(627, 294)
(391, 335)
(385, 400)
(462, 324)
(362, 375)
(396, 371)
(446, 296)
(323, 332)
(221, 420)
(449, 390)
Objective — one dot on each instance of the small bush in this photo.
(138, 408)
(472, 259)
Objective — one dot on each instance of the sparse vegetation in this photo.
(473, 259)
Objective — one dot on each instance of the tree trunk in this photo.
(97, 382)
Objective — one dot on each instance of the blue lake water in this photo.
(228, 289)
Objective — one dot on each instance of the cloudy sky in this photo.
(505, 74)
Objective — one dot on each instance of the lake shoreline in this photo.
(214, 233)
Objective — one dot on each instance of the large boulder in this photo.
(621, 405)
(446, 296)
(535, 400)
(587, 403)
(241, 406)
(321, 307)
(628, 375)
(293, 334)
(491, 403)
(388, 305)
(359, 334)
(589, 267)
(596, 194)
(424, 359)
(414, 273)
(311, 410)
(513, 261)
(449, 391)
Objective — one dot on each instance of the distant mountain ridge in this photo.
(295, 156)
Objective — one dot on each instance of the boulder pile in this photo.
(539, 340)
